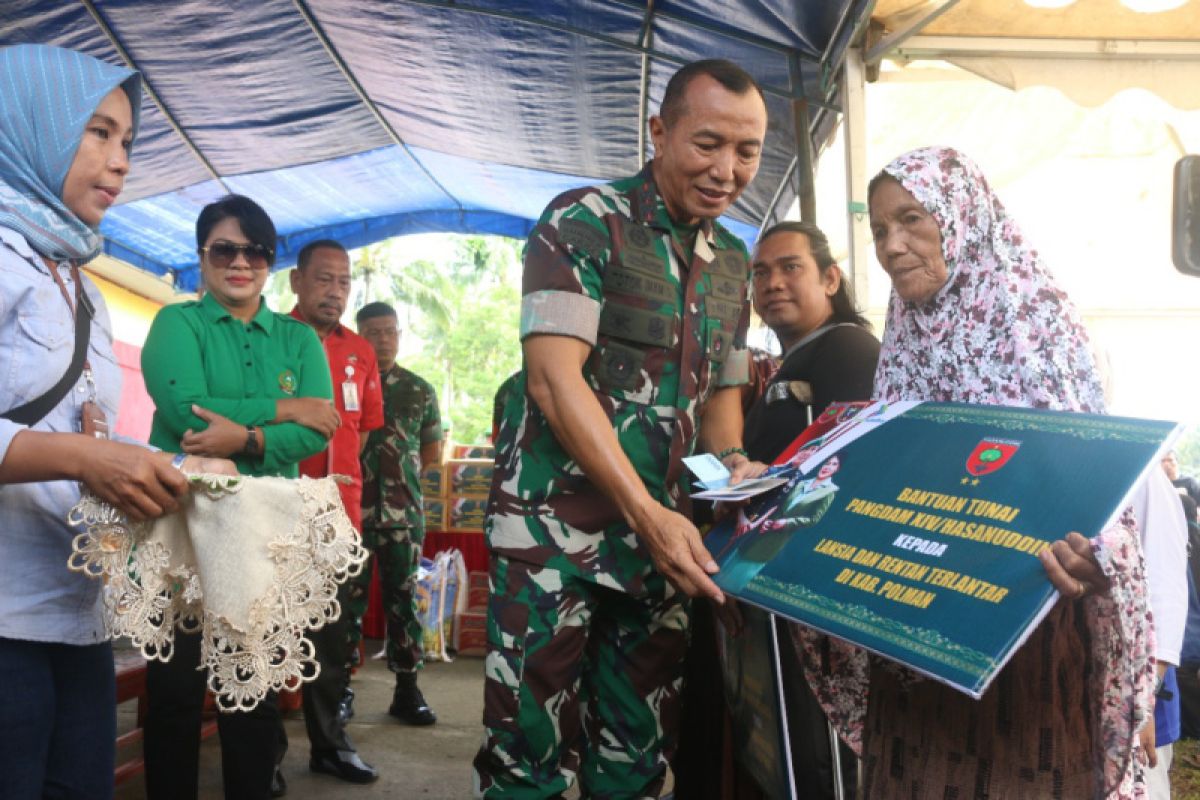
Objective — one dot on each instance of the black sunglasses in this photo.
(222, 254)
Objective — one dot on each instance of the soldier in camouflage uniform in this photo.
(633, 328)
(393, 520)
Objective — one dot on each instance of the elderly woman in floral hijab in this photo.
(975, 317)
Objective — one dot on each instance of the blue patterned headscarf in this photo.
(47, 95)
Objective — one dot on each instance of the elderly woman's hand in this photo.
(742, 468)
(1072, 567)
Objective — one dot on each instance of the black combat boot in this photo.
(408, 704)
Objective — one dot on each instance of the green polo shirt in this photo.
(198, 353)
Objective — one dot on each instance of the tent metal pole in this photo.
(917, 20)
(366, 100)
(806, 189)
(771, 216)
(804, 150)
(854, 140)
(646, 39)
(805, 164)
(613, 41)
(149, 90)
(848, 14)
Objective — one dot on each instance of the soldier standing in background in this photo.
(633, 325)
(393, 521)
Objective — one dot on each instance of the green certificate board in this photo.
(915, 530)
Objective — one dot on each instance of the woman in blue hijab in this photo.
(66, 130)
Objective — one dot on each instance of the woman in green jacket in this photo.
(230, 376)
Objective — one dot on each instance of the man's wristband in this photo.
(252, 447)
(177, 461)
(728, 451)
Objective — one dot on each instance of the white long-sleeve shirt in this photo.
(1163, 529)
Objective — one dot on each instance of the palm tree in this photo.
(430, 298)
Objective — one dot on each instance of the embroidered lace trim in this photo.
(151, 590)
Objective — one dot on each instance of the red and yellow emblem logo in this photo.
(990, 455)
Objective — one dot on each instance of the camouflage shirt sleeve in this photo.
(562, 281)
(431, 418)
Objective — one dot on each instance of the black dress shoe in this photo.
(344, 764)
(278, 784)
(408, 704)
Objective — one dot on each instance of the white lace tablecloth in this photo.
(251, 563)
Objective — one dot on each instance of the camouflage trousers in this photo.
(580, 680)
(398, 555)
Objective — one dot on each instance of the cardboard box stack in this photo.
(473, 451)
(433, 497)
(472, 623)
(462, 487)
(468, 481)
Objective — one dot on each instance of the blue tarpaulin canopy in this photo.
(364, 119)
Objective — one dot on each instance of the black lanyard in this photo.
(82, 309)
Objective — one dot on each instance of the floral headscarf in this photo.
(1000, 330)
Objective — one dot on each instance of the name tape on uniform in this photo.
(620, 279)
(637, 324)
(727, 289)
(649, 265)
(725, 310)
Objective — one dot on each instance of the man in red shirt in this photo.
(321, 282)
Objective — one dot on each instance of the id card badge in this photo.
(350, 391)
(350, 396)
(92, 419)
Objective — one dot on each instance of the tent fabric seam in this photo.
(148, 88)
(363, 97)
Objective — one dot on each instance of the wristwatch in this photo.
(252, 447)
